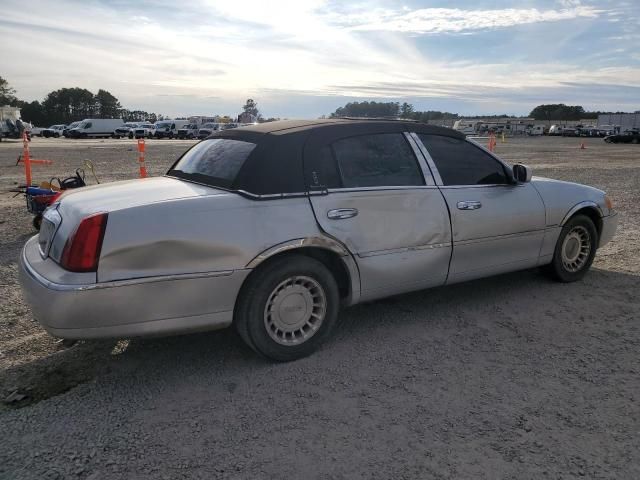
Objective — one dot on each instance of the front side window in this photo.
(215, 162)
(460, 162)
(384, 159)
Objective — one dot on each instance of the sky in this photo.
(305, 58)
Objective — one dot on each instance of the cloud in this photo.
(456, 20)
(208, 56)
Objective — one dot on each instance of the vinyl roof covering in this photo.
(276, 165)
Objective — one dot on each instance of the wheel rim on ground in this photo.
(295, 310)
(576, 248)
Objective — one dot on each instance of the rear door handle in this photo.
(342, 213)
(469, 205)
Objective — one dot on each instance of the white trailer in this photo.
(8, 118)
(96, 127)
(467, 127)
(535, 130)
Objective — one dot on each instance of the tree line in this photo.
(374, 109)
(67, 105)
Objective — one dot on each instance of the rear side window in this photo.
(459, 162)
(384, 159)
(215, 162)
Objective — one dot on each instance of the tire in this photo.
(287, 308)
(130, 135)
(37, 221)
(575, 250)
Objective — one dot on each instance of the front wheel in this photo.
(288, 308)
(575, 250)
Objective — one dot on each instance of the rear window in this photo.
(214, 162)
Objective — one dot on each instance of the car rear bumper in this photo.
(609, 226)
(122, 309)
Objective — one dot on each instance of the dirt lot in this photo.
(509, 377)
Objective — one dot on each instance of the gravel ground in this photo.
(509, 377)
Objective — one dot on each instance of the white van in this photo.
(169, 128)
(95, 127)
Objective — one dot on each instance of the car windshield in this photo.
(163, 124)
(214, 162)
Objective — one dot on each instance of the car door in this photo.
(370, 192)
(498, 225)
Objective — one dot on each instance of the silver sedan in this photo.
(273, 228)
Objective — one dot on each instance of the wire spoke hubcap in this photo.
(576, 248)
(295, 310)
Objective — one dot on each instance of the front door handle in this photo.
(469, 205)
(342, 213)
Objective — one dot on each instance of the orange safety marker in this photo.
(492, 142)
(143, 169)
(25, 154)
(26, 158)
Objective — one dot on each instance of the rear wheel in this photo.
(575, 250)
(288, 308)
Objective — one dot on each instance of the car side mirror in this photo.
(522, 173)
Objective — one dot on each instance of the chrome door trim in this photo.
(579, 206)
(427, 157)
(426, 171)
(499, 237)
(404, 249)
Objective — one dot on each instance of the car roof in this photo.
(275, 166)
(284, 127)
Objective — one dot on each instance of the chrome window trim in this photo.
(436, 173)
(428, 180)
(375, 189)
(491, 185)
(426, 171)
(427, 157)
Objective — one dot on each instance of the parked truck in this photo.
(169, 128)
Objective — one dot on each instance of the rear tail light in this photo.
(82, 250)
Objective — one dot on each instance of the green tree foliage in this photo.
(107, 106)
(406, 110)
(33, 113)
(7, 93)
(67, 105)
(251, 107)
(559, 111)
(389, 110)
(368, 109)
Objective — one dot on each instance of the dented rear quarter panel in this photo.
(199, 234)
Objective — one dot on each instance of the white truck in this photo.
(169, 128)
(95, 127)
